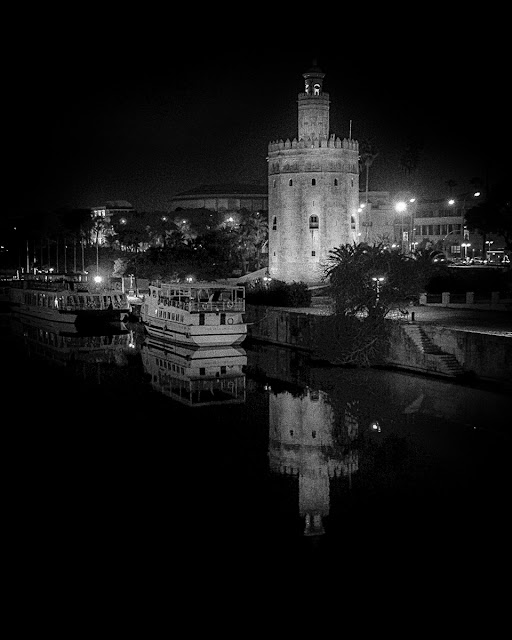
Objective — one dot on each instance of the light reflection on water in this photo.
(254, 444)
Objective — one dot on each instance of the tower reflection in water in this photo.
(195, 377)
(364, 444)
(303, 443)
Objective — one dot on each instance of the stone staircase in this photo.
(445, 363)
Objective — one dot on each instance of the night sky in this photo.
(133, 111)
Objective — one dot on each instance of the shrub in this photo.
(278, 294)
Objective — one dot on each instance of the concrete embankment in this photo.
(427, 346)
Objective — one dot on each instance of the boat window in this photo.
(222, 318)
(201, 318)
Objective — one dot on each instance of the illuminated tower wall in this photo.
(313, 189)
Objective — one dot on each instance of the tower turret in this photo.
(313, 106)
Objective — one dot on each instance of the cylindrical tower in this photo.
(313, 191)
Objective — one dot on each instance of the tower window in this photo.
(351, 182)
(313, 182)
(290, 183)
(313, 222)
(274, 223)
(274, 184)
(313, 253)
(352, 222)
(335, 182)
(316, 90)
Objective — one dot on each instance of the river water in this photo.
(122, 448)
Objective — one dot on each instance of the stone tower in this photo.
(313, 190)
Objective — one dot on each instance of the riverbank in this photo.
(459, 344)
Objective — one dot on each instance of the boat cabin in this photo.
(201, 297)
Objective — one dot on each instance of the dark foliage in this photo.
(278, 294)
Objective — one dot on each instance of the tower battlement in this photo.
(314, 143)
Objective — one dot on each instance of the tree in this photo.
(367, 155)
(367, 283)
(252, 235)
(450, 184)
(159, 227)
(351, 270)
(410, 159)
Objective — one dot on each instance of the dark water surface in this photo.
(109, 471)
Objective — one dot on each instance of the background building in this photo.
(420, 223)
(223, 198)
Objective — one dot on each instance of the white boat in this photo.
(199, 314)
(68, 300)
(196, 377)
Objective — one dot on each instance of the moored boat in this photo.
(199, 314)
(68, 299)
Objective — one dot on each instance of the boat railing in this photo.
(207, 306)
(216, 307)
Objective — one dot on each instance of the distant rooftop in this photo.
(114, 204)
(225, 189)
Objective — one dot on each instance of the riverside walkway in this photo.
(493, 322)
(475, 320)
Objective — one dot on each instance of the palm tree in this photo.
(252, 235)
(367, 155)
(410, 160)
(450, 184)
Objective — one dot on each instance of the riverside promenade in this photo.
(493, 322)
(490, 321)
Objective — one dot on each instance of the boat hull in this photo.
(199, 336)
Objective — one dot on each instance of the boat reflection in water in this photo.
(66, 345)
(196, 377)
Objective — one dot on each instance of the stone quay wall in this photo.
(482, 356)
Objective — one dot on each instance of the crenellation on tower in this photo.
(313, 190)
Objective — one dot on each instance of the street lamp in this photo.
(465, 246)
(378, 280)
(401, 207)
(488, 243)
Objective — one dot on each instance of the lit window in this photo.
(316, 90)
